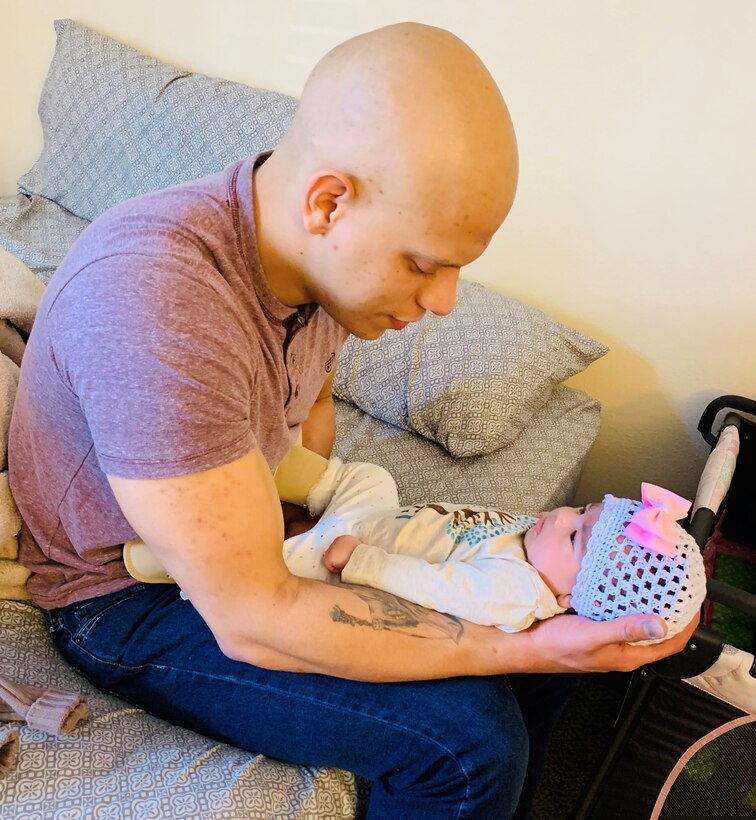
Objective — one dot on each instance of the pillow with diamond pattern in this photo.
(118, 123)
(470, 381)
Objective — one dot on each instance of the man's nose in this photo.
(439, 294)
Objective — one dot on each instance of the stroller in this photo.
(684, 745)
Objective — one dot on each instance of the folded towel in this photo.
(9, 548)
(20, 293)
(15, 593)
(10, 520)
(13, 578)
(11, 341)
(52, 711)
(9, 374)
(8, 750)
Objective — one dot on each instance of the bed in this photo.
(470, 407)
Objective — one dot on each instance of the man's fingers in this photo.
(639, 628)
(647, 627)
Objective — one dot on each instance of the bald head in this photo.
(407, 110)
(398, 167)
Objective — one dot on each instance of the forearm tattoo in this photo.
(397, 615)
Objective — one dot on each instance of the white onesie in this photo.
(460, 559)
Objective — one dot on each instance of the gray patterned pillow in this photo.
(538, 471)
(118, 123)
(38, 231)
(471, 381)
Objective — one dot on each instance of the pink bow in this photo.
(654, 527)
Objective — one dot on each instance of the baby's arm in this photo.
(503, 591)
(339, 553)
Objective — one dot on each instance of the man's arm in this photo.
(219, 533)
(319, 429)
(318, 435)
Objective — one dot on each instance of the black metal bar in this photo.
(700, 653)
(735, 598)
(702, 525)
(716, 406)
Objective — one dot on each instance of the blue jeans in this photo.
(440, 749)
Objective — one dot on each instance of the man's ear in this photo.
(564, 601)
(328, 194)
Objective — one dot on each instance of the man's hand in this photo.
(569, 643)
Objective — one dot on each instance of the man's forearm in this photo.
(365, 634)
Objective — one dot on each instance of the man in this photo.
(178, 349)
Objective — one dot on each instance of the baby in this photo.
(495, 568)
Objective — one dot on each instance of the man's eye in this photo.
(415, 268)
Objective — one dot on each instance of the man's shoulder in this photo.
(174, 220)
(153, 241)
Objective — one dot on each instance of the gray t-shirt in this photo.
(158, 350)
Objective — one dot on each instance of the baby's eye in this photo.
(572, 536)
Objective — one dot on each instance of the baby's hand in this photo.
(339, 553)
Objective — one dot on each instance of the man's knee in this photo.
(487, 753)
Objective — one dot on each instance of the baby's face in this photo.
(556, 544)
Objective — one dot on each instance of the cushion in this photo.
(122, 763)
(470, 381)
(117, 123)
(538, 471)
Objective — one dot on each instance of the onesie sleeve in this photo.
(505, 592)
(159, 363)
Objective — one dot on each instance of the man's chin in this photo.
(368, 335)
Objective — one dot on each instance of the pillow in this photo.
(470, 381)
(538, 471)
(38, 232)
(117, 123)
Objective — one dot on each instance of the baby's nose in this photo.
(565, 518)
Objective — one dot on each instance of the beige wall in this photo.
(637, 129)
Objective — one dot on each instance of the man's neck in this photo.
(276, 242)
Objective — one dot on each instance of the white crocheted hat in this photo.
(619, 577)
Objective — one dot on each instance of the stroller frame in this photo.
(705, 645)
